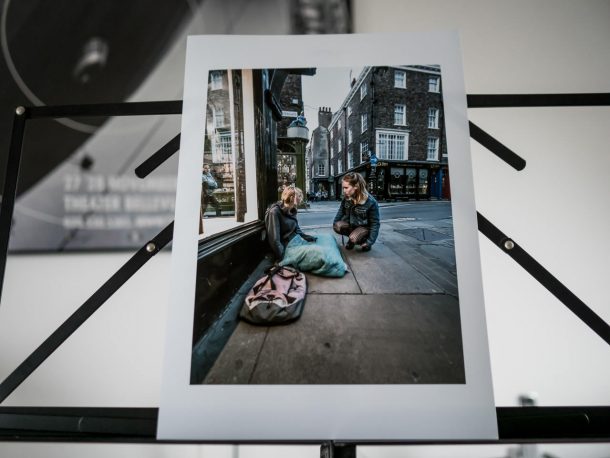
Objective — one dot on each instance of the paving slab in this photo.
(435, 262)
(237, 361)
(325, 285)
(352, 339)
(380, 271)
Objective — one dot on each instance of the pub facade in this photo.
(394, 116)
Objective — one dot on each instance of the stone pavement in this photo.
(394, 318)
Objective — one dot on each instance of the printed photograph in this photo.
(337, 180)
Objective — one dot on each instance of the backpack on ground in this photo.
(276, 298)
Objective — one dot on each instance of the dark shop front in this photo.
(393, 180)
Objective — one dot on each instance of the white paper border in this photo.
(331, 412)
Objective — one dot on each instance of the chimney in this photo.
(324, 116)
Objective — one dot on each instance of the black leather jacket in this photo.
(366, 215)
(282, 225)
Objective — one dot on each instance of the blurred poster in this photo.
(93, 200)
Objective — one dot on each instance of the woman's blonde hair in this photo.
(290, 193)
(357, 181)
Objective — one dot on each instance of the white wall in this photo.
(558, 209)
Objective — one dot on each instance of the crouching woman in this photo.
(358, 214)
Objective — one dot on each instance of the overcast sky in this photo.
(327, 88)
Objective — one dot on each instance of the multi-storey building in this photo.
(318, 156)
(394, 115)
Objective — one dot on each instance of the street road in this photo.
(323, 213)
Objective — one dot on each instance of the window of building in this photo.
(339, 145)
(332, 132)
(221, 148)
(349, 111)
(350, 160)
(216, 80)
(321, 168)
(340, 165)
(338, 125)
(400, 79)
(433, 118)
(363, 122)
(349, 137)
(332, 170)
(411, 182)
(397, 180)
(434, 84)
(400, 118)
(362, 91)
(423, 181)
(392, 145)
(218, 117)
(364, 150)
(432, 149)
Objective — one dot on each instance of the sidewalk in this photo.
(393, 318)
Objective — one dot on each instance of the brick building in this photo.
(291, 101)
(290, 150)
(396, 114)
(318, 153)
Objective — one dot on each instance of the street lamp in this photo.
(298, 134)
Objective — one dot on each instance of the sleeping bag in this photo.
(321, 257)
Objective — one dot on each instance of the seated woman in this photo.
(358, 214)
(318, 255)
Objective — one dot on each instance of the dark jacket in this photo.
(366, 215)
(282, 225)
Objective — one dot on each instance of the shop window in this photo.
(423, 182)
(397, 180)
(411, 187)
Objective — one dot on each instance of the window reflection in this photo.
(223, 172)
